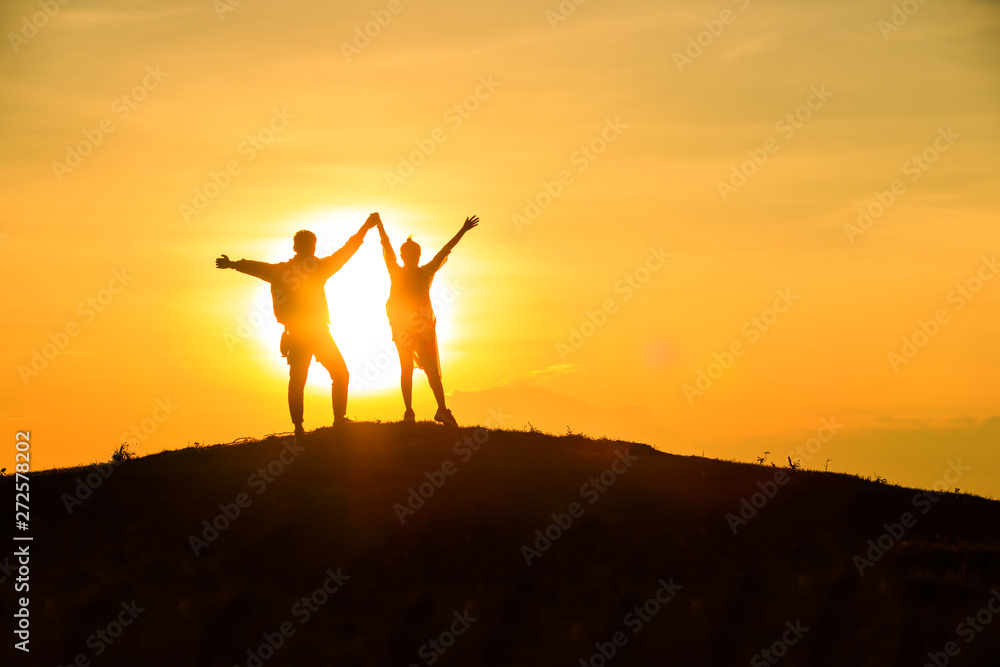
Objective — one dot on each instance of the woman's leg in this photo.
(406, 374)
(428, 355)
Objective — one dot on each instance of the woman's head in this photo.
(410, 252)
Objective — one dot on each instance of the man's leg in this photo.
(299, 358)
(328, 354)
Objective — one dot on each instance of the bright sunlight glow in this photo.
(356, 295)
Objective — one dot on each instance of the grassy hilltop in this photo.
(396, 544)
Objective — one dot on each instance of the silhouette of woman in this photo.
(411, 316)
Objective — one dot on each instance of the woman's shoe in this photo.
(445, 417)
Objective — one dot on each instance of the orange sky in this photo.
(664, 170)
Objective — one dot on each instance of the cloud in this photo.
(553, 371)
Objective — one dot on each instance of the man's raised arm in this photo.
(334, 262)
(250, 267)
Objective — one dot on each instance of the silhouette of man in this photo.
(299, 298)
(411, 316)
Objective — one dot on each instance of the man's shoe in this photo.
(299, 430)
(339, 422)
(409, 417)
(445, 417)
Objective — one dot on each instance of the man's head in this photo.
(304, 243)
(410, 252)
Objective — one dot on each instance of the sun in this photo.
(356, 295)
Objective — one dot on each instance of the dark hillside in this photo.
(407, 593)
